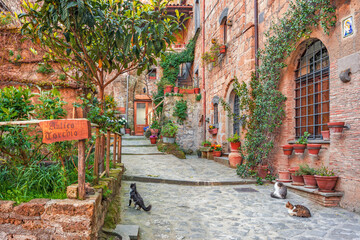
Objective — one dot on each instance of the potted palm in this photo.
(169, 131)
(325, 179)
(308, 174)
(234, 142)
(300, 144)
(217, 151)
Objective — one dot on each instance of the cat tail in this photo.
(273, 195)
(148, 208)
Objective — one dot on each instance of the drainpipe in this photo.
(256, 23)
(203, 68)
(127, 98)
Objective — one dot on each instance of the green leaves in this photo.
(180, 110)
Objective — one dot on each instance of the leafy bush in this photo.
(180, 111)
(169, 130)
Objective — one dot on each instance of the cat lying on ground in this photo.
(280, 191)
(298, 210)
(135, 196)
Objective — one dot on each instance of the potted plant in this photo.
(196, 90)
(212, 55)
(234, 142)
(325, 135)
(206, 143)
(325, 179)
(217, 151)
(213, 129)
(287, 149)
(297, 178)
(336, 127)
(168, 88)
(169, 131)
(190, 91)
(153, 139)
(223, 49)
(308, 174)
(154, 128)
(176, 89)
(313, 149)
(300, 144)
(292, 170)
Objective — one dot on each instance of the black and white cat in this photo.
(280, 191)
(135, 196)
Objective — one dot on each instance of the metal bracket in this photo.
(347, 126)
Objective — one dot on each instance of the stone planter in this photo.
(299, 148)
(196, 90)
(235, 146)
(326, 183)
(153, 140)
(213, 131)
(297, 180)
(217, 153)
(168, 139)
(313, 149)
(336, 127)
(287, 149)
(310, 181)
(326, 135)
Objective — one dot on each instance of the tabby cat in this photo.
(298, 210)
(135, 196)
(280, 191)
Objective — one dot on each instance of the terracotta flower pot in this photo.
(326, 135)
(262, 171)
(153, 140)
(314, 148)
(213, 131)
(127, 130)
(310, 181)
(284, 176)
(293, 170)
(299, 148)
(217, 153)
(190, 91)
(196, 90)
(336, 127)
(176, 89)
(326, 183)
(152, 77)
(287, 149)
(297, 180)
(154, 131)
(168, 89)
(206, 145)
(182, 91)
(223, 49)
(235, 146)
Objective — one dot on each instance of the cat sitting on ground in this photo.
(298, 210)
(280, 191)
(135, 196)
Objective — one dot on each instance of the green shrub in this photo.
(169, 130)
(45, 68)
(180, 111)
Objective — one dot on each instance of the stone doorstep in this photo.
(324, 199)
(127, 232)
(222, 160)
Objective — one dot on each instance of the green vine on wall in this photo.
(180, 111)
(261, 102)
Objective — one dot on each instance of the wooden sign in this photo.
(65, 130)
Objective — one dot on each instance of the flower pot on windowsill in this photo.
(196, 90)
(326, 183)
(336, 127)
(326, 135)
(176, 89)
(223, 49)
(235, 146)
(213, 131)
(153, 140)
(310, 181)
(313, 149)
(217, 153)
(299, 148)
(168, 88)
(287, 149)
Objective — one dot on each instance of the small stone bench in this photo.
(324, 199)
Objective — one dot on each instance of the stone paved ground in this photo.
(221, 212)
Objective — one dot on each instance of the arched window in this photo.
(223, 28)
(312, 102)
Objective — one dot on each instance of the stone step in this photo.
(137, 143)
(126, 232)
(223, 160)
(152, 153)
(144, 145)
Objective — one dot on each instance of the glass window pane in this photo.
(140, 113)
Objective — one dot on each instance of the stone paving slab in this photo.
(222, 213)
(140, 150)
(171, 167)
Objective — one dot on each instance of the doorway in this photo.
(141, 117)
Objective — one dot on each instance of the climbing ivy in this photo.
(180, 111)
(261, 103)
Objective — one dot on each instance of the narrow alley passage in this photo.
(231, 209)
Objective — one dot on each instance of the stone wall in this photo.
(189, 133)
(43, 219)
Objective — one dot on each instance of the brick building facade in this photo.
(232, 23)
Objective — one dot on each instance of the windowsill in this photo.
(312, 141)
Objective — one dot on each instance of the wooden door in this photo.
(141, 117)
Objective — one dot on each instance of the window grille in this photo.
(312, 102)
